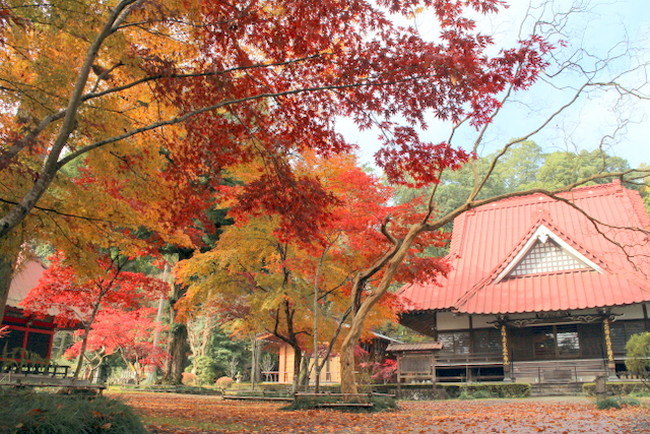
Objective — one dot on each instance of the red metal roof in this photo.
(23, 281)
(487, 239)
(413, 347)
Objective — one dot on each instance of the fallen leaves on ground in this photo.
(173, 413)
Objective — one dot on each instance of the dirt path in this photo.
(172, 413)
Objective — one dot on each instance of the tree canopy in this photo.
(125, 117)
(526, 166)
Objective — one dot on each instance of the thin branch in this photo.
(179, 119)
(61, 213)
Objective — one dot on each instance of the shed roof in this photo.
(589, 224)
(23, 281)
(414, 347)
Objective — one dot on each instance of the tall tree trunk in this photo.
(206, 334)
(304, 372)
(317, 366)
(348, 364)
(363, 306)
(6, 273)
(152, 370)
(297, 359)
(8, 260)
(178, 349)
(256, 351)
(178, 346)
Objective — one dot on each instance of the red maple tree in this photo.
(127, 333)
(80, 298)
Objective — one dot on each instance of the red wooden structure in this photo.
(28, 336)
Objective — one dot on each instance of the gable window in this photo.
(547, 257)
(545, 252)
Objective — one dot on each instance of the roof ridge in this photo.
(636, 203)
(575, 193)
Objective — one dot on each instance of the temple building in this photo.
(541, 290)
(27, 337)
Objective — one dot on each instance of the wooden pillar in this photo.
(507, 366)
(609, 349)
(432, 364)
(399, 374)
(399, 367)
(434, 325)
(25, 341)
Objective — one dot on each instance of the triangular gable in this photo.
(545, 251)
(491, 241)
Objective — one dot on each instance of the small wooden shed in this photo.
(416, 362)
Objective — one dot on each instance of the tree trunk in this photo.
(88, 326)
(256, 350)
(178, 346)
(297, 359)
(348, 365)
(318, 368)
(206, 335)
(152, 370)
(82, 352)
(178, 349)
(304, 372)
(8, 261)
(361, 309)
(6, 273)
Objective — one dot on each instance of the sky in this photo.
(596, 29)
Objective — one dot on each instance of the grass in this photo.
(32, 412)
(616, 402)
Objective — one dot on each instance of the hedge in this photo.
(616, 388)
(455, 390)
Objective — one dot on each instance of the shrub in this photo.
(454, 390)
(476, 394)
(45, 413)
(638, 356)
(188, 379)
(206, 369)
(607, 403)
(616, 402)
(490, 390)
(224, 383)
(616, 388)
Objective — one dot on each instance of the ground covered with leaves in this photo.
(171, 413)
